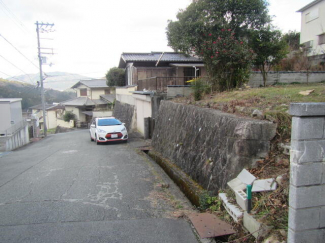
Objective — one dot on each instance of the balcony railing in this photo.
(160, 84)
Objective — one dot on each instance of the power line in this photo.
(19, 51)
(16, 67)
(14, 17)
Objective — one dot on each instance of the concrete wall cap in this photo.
(307, 109)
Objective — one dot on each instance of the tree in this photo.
(270, 49)
(115, 77)
(292, 38)
(69, 115)
(205, 22)
(227, 59)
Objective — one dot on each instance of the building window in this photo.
(313, 14)
(83, 92)
(321, 39)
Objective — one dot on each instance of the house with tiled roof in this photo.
(94, 98)
(54, 115)
(155, 70)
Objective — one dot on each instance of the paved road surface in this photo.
(67, 189)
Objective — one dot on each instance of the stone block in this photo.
(250, 148)
(307, 109)
(235, 212)
(236, 184)
(306, 236)
(241, 199)
(304, 219)
(251, 224)
(307, 128)
(264, 185)
(323, 175)
(307, 151)
(305, 197)
(322, 217)
(306, 174)
(246, 177)
(256, 130)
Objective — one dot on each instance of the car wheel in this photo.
(125, 141)
(96, 140)
(91, 139)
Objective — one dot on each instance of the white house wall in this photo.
(16, 112)
(129, 73)
(5, 116)
(125, 90)
(125, 99)
(124, 95)
(314, 27)
(96, 93)
(63, 123)
(102, 113)
(79, 115)
(51, 119)
(143, 108)
(143, 111)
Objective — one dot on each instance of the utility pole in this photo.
(38, 25)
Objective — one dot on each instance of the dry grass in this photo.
(273, 102)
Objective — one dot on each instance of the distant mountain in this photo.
(54, 80)
(31, 94)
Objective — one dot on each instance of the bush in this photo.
(200, 88)
(115, 77)
(209, 202)
(68, 116)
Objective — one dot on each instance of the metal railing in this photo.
(13, 129)
(160, 84)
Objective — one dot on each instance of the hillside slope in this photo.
(31, 94)
(54, 80)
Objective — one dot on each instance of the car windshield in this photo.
(109, 122)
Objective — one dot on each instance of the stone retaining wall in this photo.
(125, 113)
(210, 146)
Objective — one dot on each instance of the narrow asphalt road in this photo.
(66, 188)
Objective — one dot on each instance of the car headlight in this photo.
(123, 129)
(101, 131)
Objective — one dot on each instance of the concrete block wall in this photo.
(256, 78)
(178, 90)
(18, 139)
(307, 173)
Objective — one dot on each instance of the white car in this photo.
(107, 129)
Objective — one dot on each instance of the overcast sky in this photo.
(90, 36)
